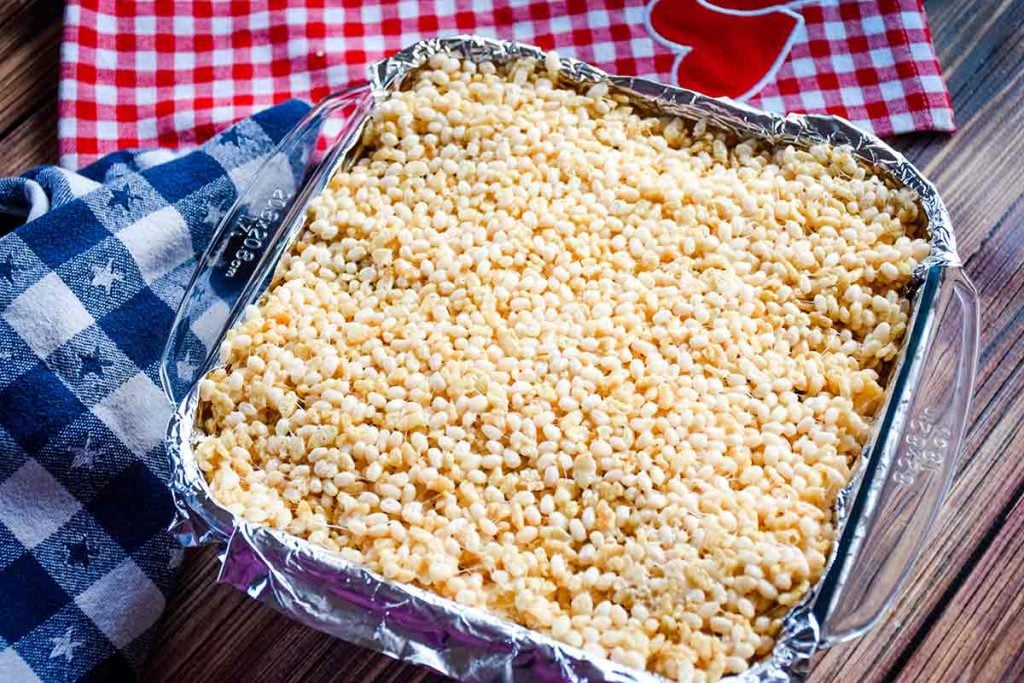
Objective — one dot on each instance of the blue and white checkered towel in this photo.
(89, 284)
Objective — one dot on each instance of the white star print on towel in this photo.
(105, 277)
(64, 645)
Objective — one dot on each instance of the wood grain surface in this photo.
(961, 617)
(29, 69)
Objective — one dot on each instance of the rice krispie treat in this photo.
(600, 373)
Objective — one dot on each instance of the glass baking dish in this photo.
(883, 516)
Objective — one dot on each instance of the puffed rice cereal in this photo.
(597, 372)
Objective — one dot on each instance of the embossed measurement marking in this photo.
(254, 230)
(926, 444)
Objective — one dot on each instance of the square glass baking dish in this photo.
(883, 515)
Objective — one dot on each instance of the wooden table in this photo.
(961, 616)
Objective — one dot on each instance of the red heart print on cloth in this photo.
(731, 48)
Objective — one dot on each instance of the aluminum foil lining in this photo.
(324, 591)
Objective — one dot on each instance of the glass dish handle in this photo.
(246, 246)
(921, 431)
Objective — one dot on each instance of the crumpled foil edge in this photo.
(320, 589)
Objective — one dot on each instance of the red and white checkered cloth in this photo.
(143, 73)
